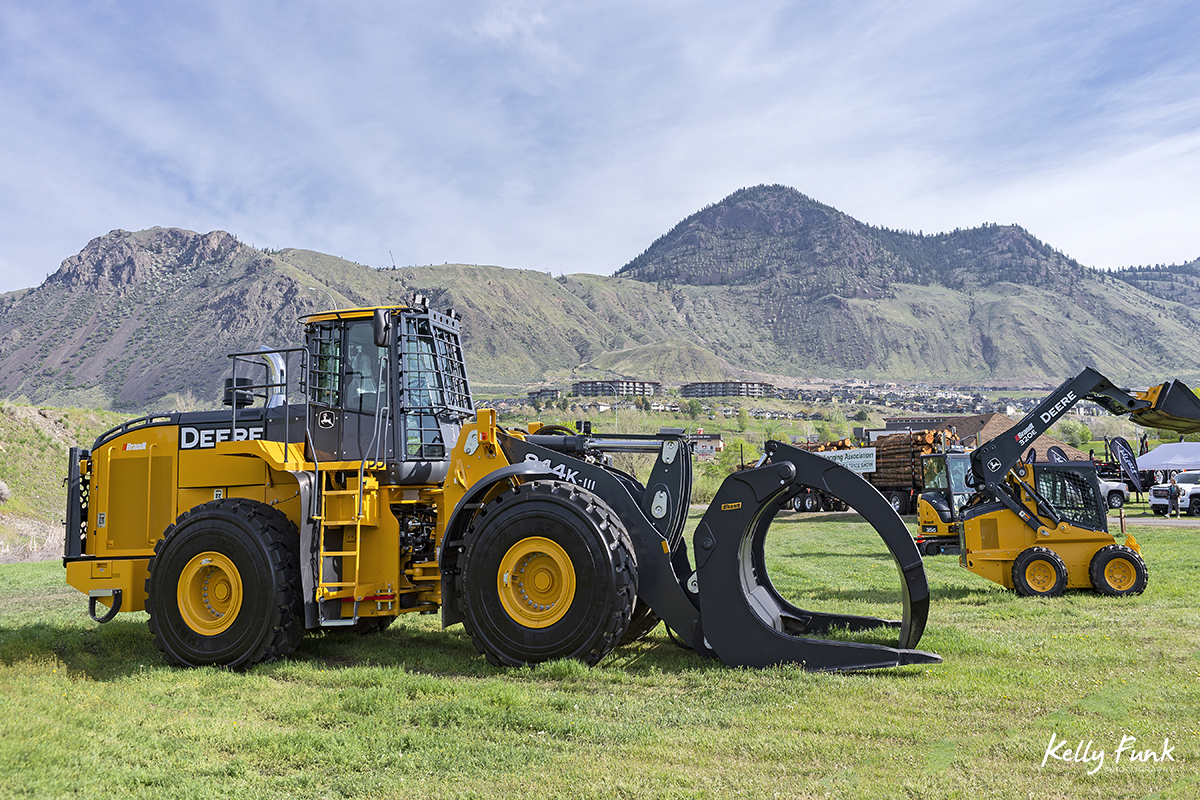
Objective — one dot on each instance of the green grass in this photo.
(415, 712)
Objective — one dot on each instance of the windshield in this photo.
(935, 473)
(958, 474)
(1188, 477)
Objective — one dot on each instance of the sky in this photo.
(567, 137)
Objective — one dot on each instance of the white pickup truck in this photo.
(1189, 497)
(1115, 493)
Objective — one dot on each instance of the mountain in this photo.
(765, 283)
(842, 297)
(1178, 283)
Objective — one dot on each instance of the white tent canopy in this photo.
(1177, 455)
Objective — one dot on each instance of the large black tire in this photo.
(899, 502)
(243, 553)
(1118, 570)
(1115, 499)
(1039, 572)
(811, 501)
(574, 545)
(1194, 508)
(798, 503)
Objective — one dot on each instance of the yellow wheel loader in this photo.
(352, 480)
(1041, 528)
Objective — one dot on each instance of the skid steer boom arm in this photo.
(1171, 405)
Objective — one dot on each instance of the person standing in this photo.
(1173, 492)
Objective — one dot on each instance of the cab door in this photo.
(347, 385)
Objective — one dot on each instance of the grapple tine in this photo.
(745, 621)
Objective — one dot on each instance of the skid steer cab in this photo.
(352, 480)
(1041, 528)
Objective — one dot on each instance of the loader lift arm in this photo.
(992, 461)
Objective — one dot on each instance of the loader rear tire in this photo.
(1039, 572)
(569, 547)
(1118, 570)
(224, 586)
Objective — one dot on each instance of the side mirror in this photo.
(381, 326)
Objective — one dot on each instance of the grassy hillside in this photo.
(33, 459)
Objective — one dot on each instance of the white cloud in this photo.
(570, 136)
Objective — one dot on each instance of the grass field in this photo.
(91, 711)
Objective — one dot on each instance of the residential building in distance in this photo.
(545, 395)
(617, 388)
(727, 389)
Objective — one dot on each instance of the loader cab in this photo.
(945, 481)
(387, 385)
(1073, 488)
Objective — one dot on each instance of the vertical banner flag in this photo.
(1125, 458)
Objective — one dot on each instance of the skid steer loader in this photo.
(352, 480)
(1040, 528)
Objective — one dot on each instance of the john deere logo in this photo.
(994, 464)
(325, 419)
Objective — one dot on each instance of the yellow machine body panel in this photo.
(156, 482)
(931, 523)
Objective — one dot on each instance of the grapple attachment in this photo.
(1173, 407)
(744, 620)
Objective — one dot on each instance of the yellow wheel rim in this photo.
(209, 593)
(536, 582)
(1120, 574)
(1040, 576)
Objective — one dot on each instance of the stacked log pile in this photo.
(824, 447)
(898, 457)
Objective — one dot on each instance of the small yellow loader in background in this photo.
(1041, 528)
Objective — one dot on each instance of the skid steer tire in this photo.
(1039, 572)
(582, 580)
(224, 586)
(1118, 571)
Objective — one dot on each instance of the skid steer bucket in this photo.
(1173, 407)
(744, 620)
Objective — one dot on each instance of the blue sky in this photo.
(566, 137)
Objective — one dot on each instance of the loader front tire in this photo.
(224, 586)
(545, 574)
(1039, 572)
(1118, 571)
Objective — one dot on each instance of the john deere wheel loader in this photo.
(383, 491)
(1040, 528)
